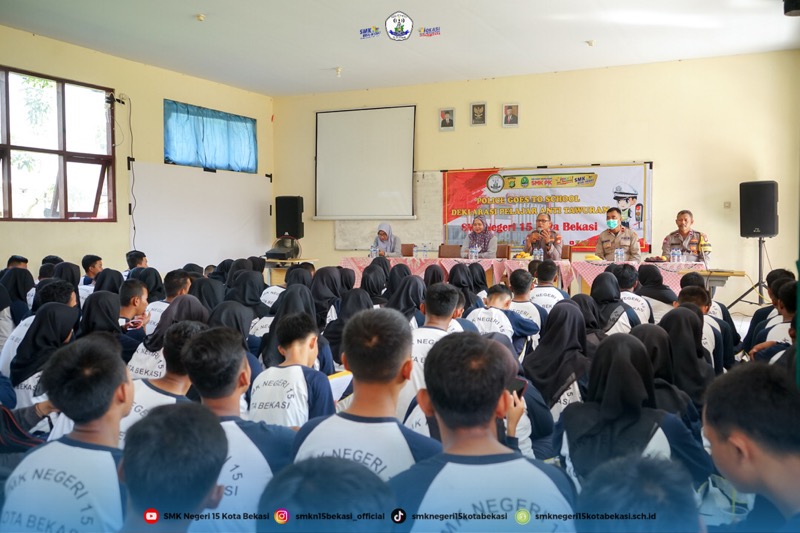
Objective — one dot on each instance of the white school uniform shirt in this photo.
(270, 294)
(491, 319)
(147, 364)
(780, 333)
(659, 308)
(13, 341)
(572, 394)
(260, 326)
(715, 310)
(546, 296)
(422, 340)
(709, 341)
(145, 397)
(156, 309)
(84, 291)
(528, 310)
(289, 395)
(773, 321)
(638, 304)
(6, 326)
(30, 296)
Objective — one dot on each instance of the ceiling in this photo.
(292, 47)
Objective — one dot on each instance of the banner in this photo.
(576, 198)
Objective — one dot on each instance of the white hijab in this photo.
(385, 246)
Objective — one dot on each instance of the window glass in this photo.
(33, 111)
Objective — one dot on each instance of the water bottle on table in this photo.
(424, 251)
(619, 255)
(373, 252)
(674, 256)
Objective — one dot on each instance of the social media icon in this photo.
(151, 516)
(398, 516)
(281, 516)
(522, 516)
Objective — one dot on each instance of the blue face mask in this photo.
(612, 224)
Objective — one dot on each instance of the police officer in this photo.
(691, 243)
(625, 196)
(617, 236)
(544, 237)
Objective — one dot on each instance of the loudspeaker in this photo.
(758, 208)
(289, 216)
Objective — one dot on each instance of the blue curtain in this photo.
(200, 137)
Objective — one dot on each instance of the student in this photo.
(616, 316)
(208, 270)
(195, 271)
(72, 482)
(71, 273)
(396, 276)
(377, 350)
(717, 341)
(169, 389)
(628, 278)
(239, 266)
(210, 292)
(750, 419)
(475, 467)
(595, 333)
(521, 284)
(373, 281)
(271, 293)
(777, 330)
(134, 259)
(458, 322)
(291, 393)
(217, 367)
(691, 361)
(173, 459)
(18, 281)
(101, 313)
(717, 309)
(133, 304)
(651, 288)
(479, 285)
(92, 265)
(497, 316)
(461, 279)
(407, 298)
(433, 274)
(109, 280)
(326, 286)
(17, 261)
(546, 294)
(46, 271)
(176, 283)
(353, 301)
(765, 312)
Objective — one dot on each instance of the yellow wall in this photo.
(147, 87)
(707, 125)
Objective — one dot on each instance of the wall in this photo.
(147, 87)
(706, 124)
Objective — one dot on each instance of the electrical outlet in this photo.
(726, 205)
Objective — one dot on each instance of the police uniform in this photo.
(694, 245)
(553, 252)
(608, 241)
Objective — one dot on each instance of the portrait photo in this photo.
(447, 119)
(510, 115)
(478, 114)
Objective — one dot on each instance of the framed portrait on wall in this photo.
(477, 114)
(447, 119)
(510, 115)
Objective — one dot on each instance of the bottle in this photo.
(373, 252)
(674, 256)
(424, 250)
(416, 252)
(619, 255)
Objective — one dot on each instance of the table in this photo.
(495, 268)
(276, 269)
(718, 278)
(671, 272)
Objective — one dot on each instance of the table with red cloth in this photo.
(495, 268)
(671, 272)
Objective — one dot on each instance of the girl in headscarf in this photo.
(651, 287)
(384, 263)
(352, 302)
(434, 274)
(691, 362)
(69, 272)
(396, 275)
(407, 299)
(108, 280)
(592, 320)
(193, 268)
(387, 244)
(247, 288)
(101, 313)
(152, 279)
(238, 266)
(326, 287)
(259, 263)
(620, 417)
(479, 285)
(373, 281)
(461, 279)
(209, 291)
(348, 277)
(616, 316)
(559, 361)
(236, 316)
(480, 237)
(221, 272)
(18, 281)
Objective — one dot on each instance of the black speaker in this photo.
(758, 208)
(289, 216)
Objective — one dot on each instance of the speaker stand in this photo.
(760, 285)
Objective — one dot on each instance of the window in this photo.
(56, 149)
(199, 137)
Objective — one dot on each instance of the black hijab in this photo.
(619, 416)
(193, 268)
(5, 299)
(69, 272)
(152, 279)
(651, 285)
(247, 289)
(100, 313)
(408, 296)
(209, 291)
(348, 276)
(259, 263)
(18, 282)
(295, 299)
(433, 274)
(353, 301)
(592, 320)
(396, 275)
(184, 307)
(326, 287)
(108, 280)
(373, 281)
(693, 372)
(478, 277)
(221, 272)
(656, 340)
(233, 315)
(384, 263)
(240, 265)
(460, 278)
(605, 291)
(560, 357)
(49, 330)
(298, 275)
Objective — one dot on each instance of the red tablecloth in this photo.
(588, 270)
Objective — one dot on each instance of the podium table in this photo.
(671, 272)
(276, 269)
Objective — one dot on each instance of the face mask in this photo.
(612, 224)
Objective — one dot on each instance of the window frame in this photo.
(106, 162)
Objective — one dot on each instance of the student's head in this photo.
(17, 261)
(460, 304)
(135, 258)
(309, 266)
(547, 271)
(92, 264)
(87, 378)
(775, 289)
(441, 300)
(533, 267)
(692, 279)
(465, 375)
(46, 271)
(651, 485)
(59, 291)
(173, 457)
(177, 282)
(297, 330)
(520, 281)
(376, 345)
(498, 296)
(627, 277)
(778, 273)
(133, 293)
(330, 485)
(695, 295)
(209, 269)
(216, 363)
(751, 414)
(175, 338)
(51, 260)
(787, 299)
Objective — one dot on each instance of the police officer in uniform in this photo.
(617, 236)
(625, 196)
(544, 237)
(691, 243)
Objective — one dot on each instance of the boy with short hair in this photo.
(546, 293)
(716, 340)
(497, 316)
(717, 309)
(92, 265)
(521, 284)
(628, 278)
(293, 392)
(176, 283)
(458, 322)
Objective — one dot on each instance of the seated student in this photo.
(475, 467)
(134, 259)
(717, 341)
(79, 490)
(353, 301)
(750, 419)
(497, 316)
(92, 265)
(291, 393)
(209, 269)
(386, 243)
(661, 488)
(328, 485)
(521, 284)
(101, 313)
(6, 322)
(46, 271)
(271, 293)
(173, 459)
(108, 280)
(765, 312)
(628, 278)
(217, 367)
(326, 287)
(533, 267)
(546, 293)
(461, 279)
(176, 283)
(651, 287)
(18, 282)
(478, 274)
(616, 316)
(692, 363)
(433, 274)
(17, 261)
(152, 280)
(777, 329)
(373, 281)
(458, 322)
(236, 316)
(377, 350)
(407, 298)
(210, 292)
(785, 355)
(169, 389)
(595, 333)
(717, 309)
(132, 310)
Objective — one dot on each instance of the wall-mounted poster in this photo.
(510, 115)
(447, 117)
(478, 114)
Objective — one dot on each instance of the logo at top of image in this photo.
(399, 26)
(524, 181)
(495, 183)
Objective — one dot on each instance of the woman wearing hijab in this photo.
(396, 276)
(209, 291)
(434, 274)
(221, 272)
(247, 288)
(108, 280)
(352, 302)
(295, 274)
(479, 285)
(620, 418)
(386, 243)
(152, 279)
(615, 315)
(258, 263)
(348, 276)
(461, 279)
(101, 313)
(384, 264)
(6, 322)
(651, 287)
(559, 361)
(238, 266)
(407, 299)
(690, 361)
(480, 237)
(326, 287)
(193, 268)
(373, 281)
(18, 281)
(237, 317)
(592, 321)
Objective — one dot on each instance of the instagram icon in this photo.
(281, 516)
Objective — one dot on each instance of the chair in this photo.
(504, 251)
(407, 250)
(449, 250)
(566, 252)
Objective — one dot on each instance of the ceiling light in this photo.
(338, 72)
(201, 17)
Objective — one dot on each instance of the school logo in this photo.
(399, 26)
(495, 183)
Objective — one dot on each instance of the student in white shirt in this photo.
(546, 293)
(176, 283)
(628, 278)
(134, 259)
(521, 283)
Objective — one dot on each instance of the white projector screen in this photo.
(365, 164)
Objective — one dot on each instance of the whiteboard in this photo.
(428, 228)
(184, 214)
